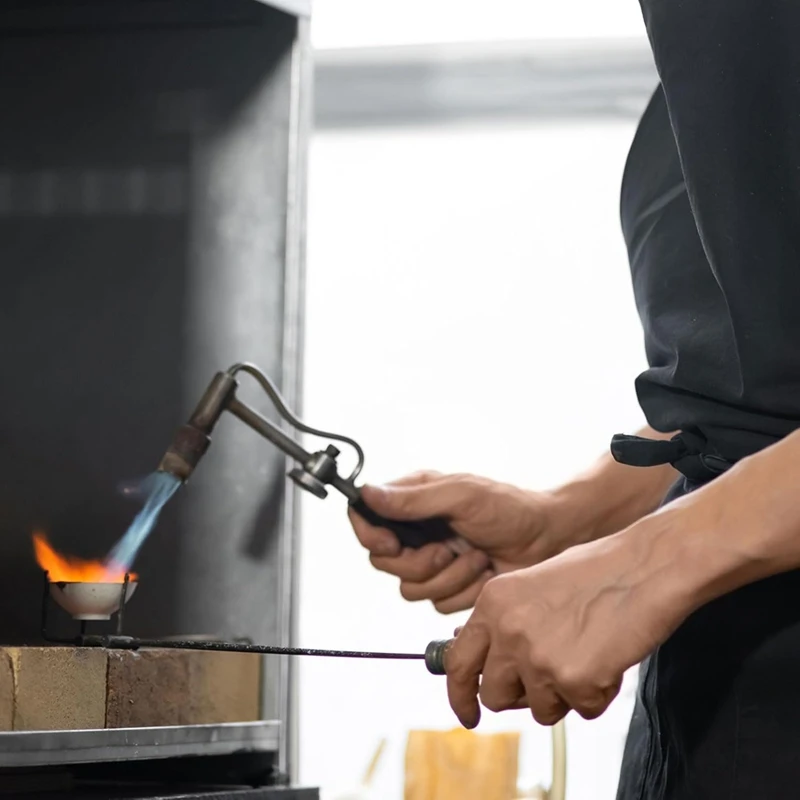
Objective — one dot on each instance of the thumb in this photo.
(443, 498)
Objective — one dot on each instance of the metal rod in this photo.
(45, 603)
(123, 598)
(346, 487)
(240, 647)
(46, 613)
(120, 642)
(269, 431)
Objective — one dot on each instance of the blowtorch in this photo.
(314, 473)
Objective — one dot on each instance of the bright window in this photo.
(367, 23)
(468, 308)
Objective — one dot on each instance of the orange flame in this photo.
(74, 570)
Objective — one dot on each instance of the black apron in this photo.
(711, 217)
(717, 714)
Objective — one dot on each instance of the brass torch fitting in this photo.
(193, 439)
(185, 452)
(435, 654)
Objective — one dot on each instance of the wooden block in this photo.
(461, 765)
(58, 688)
(181, 687)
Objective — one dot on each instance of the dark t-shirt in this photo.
(711, 216)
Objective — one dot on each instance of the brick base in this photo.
(60, 688)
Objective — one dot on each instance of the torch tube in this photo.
(269, 431)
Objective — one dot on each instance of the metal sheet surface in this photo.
(149, 235)
(493, 81)
(48, 748)
(263, 793)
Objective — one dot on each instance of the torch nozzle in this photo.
(185, 452)
(193, 439)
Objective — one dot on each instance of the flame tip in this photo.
(67, 569)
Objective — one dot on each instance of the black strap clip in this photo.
(687, 452)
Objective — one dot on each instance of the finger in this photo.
(520, 704)
(546, 705)
(417, 478)
(547, 708)
(382, 541)
(379, 541)
(501, 687)
(464, 662)
(466, 599)
(453, 579)
(415, 566)
(448, 496)
(589, 699)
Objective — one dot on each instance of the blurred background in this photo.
(468, 309)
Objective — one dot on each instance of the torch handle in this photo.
(435, 656)
(411, 534)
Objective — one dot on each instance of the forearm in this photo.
(611, 496)
(739, 529)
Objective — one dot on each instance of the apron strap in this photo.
(687, 452)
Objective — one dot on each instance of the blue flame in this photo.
(156, 490)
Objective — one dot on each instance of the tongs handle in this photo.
(411, 534)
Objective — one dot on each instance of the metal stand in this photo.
(122, 600)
